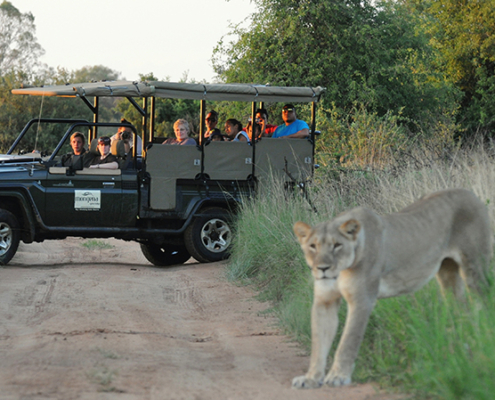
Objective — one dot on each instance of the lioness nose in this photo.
(323, 269)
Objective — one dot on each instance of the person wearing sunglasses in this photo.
(105, 159)
(293, 128)
(211, 122)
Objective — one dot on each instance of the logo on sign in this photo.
(87, 200)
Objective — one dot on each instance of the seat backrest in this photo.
(228, 160)
(166, 164)
(274, 156)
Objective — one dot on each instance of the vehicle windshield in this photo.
(44, 137)
(41, 138)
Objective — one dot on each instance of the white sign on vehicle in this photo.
(87, 200)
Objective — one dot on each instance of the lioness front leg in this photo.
(357, 319)
(324, 323)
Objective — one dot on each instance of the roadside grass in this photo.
(103, 377)
(94, 244)
(421, 344)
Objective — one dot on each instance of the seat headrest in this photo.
(118, 148)
(93, 149)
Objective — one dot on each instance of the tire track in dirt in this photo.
(86, 331)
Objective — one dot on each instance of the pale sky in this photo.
(165, 37)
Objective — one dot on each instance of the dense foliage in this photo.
(463, 34)
(361, 53)
(421, 60)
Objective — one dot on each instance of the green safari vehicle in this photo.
(176, 201)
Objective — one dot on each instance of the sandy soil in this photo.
(73, 326)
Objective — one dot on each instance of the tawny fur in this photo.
(362, 257)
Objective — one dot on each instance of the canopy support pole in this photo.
(93, 132)
(253, 138)
(152, 121)
(145, 125)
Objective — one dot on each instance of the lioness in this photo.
(362, 257)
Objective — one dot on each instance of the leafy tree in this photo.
(86, 74)
(363, 54)
(18, 46)
(16, 111)
(19, 53)
(463, 33)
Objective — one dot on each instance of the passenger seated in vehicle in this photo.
(293, 127)
(77, 142)
(241, 136)
(262, 119)
(216, 137)
(253, 129)
(104, 159)
(246, 136)
(125, 133)
(211, 122)
(181, 129)
(232, 128)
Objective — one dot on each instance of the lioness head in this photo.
(328, 247)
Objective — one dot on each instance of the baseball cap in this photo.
(105, 140)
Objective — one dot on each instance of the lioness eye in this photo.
(337, 246)
(312, 246)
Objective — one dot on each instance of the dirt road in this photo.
(78, 323)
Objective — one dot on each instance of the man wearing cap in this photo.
(294, 128)
(105, 160)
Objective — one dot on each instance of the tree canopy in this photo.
(363, 54)
(463, 34)
(19, 48)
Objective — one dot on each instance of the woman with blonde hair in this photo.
(181, 129)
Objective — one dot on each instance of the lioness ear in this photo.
(350, 229)
(301, 229)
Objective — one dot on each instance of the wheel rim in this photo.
(216, 235)
(5, 238)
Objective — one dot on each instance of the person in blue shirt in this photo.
(294, 128)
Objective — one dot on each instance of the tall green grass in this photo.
(421, 343)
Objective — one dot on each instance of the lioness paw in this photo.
(302, 382)
(337, 380)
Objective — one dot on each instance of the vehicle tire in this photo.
(9, 236)
(209, 236)
(164, 255)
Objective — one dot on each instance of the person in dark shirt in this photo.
(77, 142)
(211, 122)
(105, 160)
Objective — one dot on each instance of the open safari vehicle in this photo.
(176, 201)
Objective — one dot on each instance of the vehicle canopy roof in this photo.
(174, 90)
